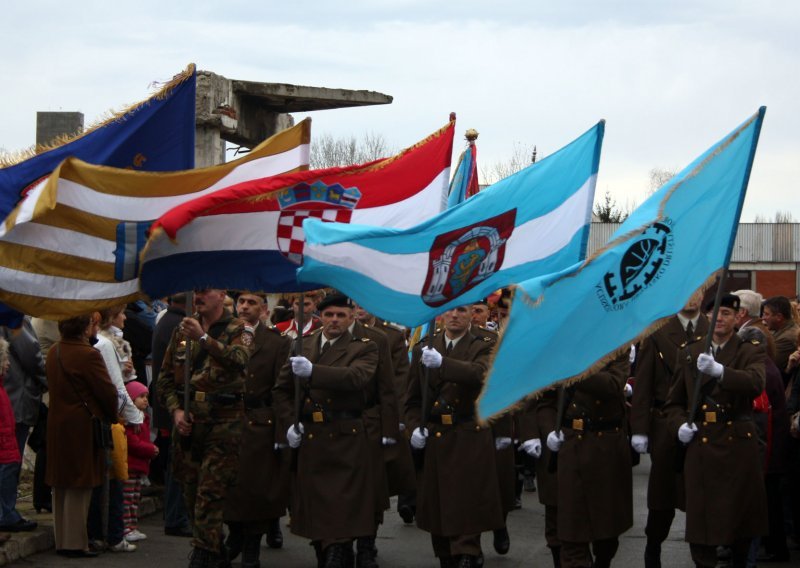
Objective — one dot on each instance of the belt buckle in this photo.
(200, 396)
(447, 419)
(711, 417)
(577, 424)
(317, 416)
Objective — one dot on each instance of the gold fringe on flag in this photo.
(165, 89)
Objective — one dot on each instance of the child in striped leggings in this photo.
(140, 452)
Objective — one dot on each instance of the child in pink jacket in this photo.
(140, 452)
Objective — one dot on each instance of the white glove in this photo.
(301, 366)
(385, 441)
(532, 447)
(639, 443)
(555, 440)
(431, 358)
(686, 432)
(502, 443)
(402, 427)
(419, 438)
(628, 390)
(707, 365)
(295, 436)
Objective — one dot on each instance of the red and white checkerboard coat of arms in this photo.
(316, 201)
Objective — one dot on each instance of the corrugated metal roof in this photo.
(755, 242)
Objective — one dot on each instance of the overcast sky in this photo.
(670, 78)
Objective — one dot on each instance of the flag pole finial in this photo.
(471, 135)
(452, 116)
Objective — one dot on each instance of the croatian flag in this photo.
(251, 236)
(531, 223)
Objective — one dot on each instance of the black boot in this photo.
(652, 555)
(556, 552)
(274, 534)
(366, 552)
(501, 541)
(338, 556)
(202, 558)
(602, 563)
(251, 548)
(467, 561)
(234, 541)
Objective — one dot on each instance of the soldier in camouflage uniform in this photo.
(206, 436)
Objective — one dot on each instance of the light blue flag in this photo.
(531, 223)
(562, 324)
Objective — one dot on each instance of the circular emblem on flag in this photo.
(641, 265)
(331, 203)
(461, 259)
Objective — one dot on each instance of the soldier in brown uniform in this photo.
(458, 494)
(336, 374)
(400, 474)
(778, 318)
(725, 496)
(595, 484)
(657, 359)
(536, 420)
(382, 419)
(260, 497)
(206, 435)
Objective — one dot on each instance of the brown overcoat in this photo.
(458, 492)
(80, 376)
(261, 491)
(400, 473)
(656, 361)
(725, 495)
(537, 420)
(595, 483)
(333, 474)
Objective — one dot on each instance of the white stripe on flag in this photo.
(59, 288)
(61, 240)
(149, 208)
(258, 231)
(535, 240)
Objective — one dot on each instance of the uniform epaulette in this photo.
(274, 329)
(394, 326)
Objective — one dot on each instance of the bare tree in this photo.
(658, 177)
(780, 217)
(521, 157)
(328, 152)
(607, 211)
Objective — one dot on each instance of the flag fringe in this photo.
(15, 157)
(522, 404)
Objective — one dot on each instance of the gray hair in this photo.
(750, 301)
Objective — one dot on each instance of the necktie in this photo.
(449, 348)
(689, 330)
(325, 347)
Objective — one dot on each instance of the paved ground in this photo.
(403, 546)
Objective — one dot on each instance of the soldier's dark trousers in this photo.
(658, 525)
(551, 526)
(207, 470)
(457, 545)
(705, 555)
(579, 554)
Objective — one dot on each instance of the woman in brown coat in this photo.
(79, 389)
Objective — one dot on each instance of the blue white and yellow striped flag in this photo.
(72, 245)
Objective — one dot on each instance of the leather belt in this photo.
(223, 399)
(319, 416)
(589, 425)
